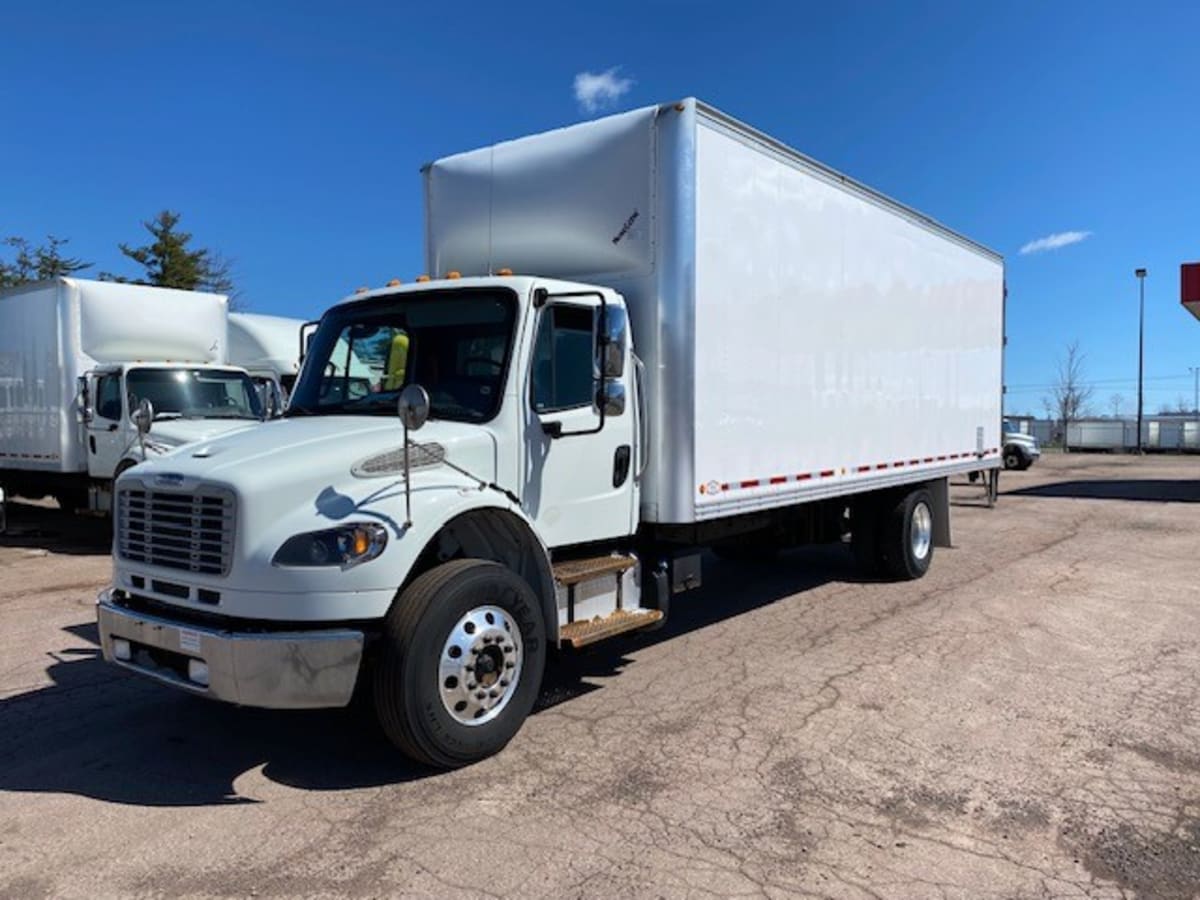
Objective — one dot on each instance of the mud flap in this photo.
(940, 491)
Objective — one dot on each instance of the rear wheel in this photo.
(461, 664)
(906, 545)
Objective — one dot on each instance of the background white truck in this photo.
(76, 358)
(714, 341)
(267, 347)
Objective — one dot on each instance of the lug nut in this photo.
(480, 695)
(503, 682)
(509, 665)
(493, 693)
(471, 686)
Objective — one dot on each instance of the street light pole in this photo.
(1141, 277)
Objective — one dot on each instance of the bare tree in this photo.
(1115, 402)
(1070, 394)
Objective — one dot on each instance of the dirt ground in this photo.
(1023, 722)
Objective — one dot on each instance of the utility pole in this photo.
(1195, 370)
(1140, 274)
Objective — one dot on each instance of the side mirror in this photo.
(143, 416)
(3, 511)
(413, 406)
(613, 341)
(83, 401)
(269, 400)
(307, 330)
(611, 398)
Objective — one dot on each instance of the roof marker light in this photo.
(360, 290)
(422, 278)
(395, 282)
(453, 274)
(504, 271)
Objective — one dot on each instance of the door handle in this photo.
(113, 427)
(621, 465)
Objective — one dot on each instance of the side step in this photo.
(580, 634)
(573, 571)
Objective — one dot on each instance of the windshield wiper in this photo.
(160, 416)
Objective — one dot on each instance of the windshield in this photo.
(455, 344)
(194, 393)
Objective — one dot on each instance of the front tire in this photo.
(460, 667)
(1014, 460)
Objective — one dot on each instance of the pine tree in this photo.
(38, 263)
(168, 261)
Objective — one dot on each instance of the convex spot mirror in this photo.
(611, 398)
(413, 406)
(143, 416)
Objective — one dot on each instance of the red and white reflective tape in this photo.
(720, 487)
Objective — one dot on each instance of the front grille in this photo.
(191, 531)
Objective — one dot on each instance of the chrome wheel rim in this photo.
(480, 665)
(920, 531)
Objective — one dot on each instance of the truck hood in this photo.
(298, 454)
(171, 433)
(1017, 437)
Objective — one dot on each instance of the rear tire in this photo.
(906, 543)
(458, 616)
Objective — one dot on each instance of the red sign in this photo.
(1189, 277)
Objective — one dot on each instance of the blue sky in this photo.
(290, 135)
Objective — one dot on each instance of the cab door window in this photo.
(562, 359)
(108, 397)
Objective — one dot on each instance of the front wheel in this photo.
(461, 664)
(1014, 460)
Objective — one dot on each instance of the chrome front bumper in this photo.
(276, 670)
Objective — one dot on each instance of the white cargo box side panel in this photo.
(38, 430)
(838, 343)
(127, 323)
(261, 343)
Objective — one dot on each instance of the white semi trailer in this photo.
(713, 341)
(76, 359)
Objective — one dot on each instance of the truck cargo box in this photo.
(803, 335)
(54, 331)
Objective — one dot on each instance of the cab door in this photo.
(579, 479)
(108, 435)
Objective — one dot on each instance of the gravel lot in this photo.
(1022, 722)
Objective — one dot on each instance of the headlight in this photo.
(346, 546)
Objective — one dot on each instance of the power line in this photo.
(1097, 383)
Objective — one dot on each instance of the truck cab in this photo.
(189, 403)
(529, 446)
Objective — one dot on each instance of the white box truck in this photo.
(268, 347)
(713, 341)
(76, 359)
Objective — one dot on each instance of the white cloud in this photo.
(1055, 241)
(597, 90)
